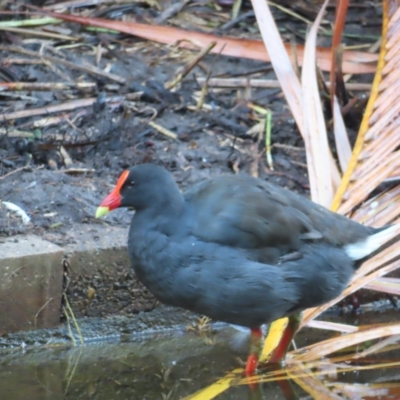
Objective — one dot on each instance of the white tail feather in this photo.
(362, 249)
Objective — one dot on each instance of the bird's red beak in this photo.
(113, 200)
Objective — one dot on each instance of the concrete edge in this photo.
(92, 268)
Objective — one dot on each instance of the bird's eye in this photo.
(130, 184)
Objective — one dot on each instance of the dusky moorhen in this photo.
(237, 249)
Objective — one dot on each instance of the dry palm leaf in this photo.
(385, 390)
(375, 158)
(354, 62)
(329, 346)
(332, 326)
(314, 379)
(386, 285)
(310, 384)
(322, 170)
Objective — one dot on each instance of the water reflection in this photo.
(178, 366)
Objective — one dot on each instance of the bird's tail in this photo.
(365, 247)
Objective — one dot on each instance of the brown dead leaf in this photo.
(354, 62)
(340, 17)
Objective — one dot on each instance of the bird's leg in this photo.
(280, 350)
(255, 349)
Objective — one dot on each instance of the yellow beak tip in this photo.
(102, 211)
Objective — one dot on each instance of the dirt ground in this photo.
(58, 166)
(58, 190)
(209, 143)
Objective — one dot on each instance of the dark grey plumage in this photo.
(237, 249)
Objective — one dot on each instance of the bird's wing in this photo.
(249, 213)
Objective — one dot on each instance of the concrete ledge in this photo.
(90, 263)
(30, 283)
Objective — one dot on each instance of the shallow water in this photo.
(177, 365)
(148, 369)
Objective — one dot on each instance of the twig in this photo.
(89, 69)
(268, 119)
(73, 126)
(190, 66)
(163, 130)
(170, 11)
(290, 12)
(30, 22)
(41, 309)
(288, 147)
(300, 164)
(46, 121)
(71, 374)
(265, 83)
(13, 273)
(204, 89)
(69, 105)
(237, 5)
(71, 335)
(17, 170)
(350, 105)
(20, 96)
(57, 71)
(83, 3)
(66, 157)
(75, 171)
(16, 133)
(44, 86)
(23, 61)
(230, 24)
(73, 319)
(258, 109)
(34, 32)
